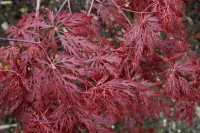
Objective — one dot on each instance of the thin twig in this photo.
(60, 8)
(17, 40)
(3, 127)
(139, 12)
(121, 11)
(176, 56)
(6, 2)
(90, 9)
(149, 6)
(37, 8)
(69, 6)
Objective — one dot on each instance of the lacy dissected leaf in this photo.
(38, 123)
(61, 72)
(12, 92)
(186, 67)
(107, 63)
(115, 98)
(176, 86)
(95, 26)
(141, 35)
(26, 27)
(76, 23)
(184, 111)
(156, 107)
(77, 45)
(170, 16)
(145, 30)
(109, 14)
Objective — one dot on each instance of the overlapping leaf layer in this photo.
(62, 74)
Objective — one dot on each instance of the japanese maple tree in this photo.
(120, 60)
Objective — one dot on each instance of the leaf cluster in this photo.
(59, 73)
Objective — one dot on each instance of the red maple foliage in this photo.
(60, 73)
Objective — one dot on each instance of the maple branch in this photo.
(69, 6)
(37, 8)
(3, 127)
(11, 71)
(48, 58)
(149, 6)
(134, 11)
(139, 12)
(121, 11)
(162, 72)
(8, 71)
(176, 56)
(18, 40)
(5, 2)
(90, 9)
(60, 8)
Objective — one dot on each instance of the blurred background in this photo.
(12, 10)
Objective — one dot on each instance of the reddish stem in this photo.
(121, 12)
(175, 57)
(69, 6)
(148, 7)
(60, 8)
(90, 9)
(18, 40)
(37, 8)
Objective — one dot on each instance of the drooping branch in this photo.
(37, 7)
(3, 127)
(18, 40)
(90, 9)
(69, 6)
(121, 12)
(60, 8)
